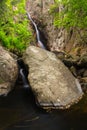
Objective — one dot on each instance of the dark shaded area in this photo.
(21, 65)
(44, 40)
(18, 111)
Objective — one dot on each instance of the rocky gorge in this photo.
(50, 80)
(68, 45)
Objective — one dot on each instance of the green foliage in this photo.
(73, 13)
(14, 25)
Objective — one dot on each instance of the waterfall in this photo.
(26, 85)
(37, 32)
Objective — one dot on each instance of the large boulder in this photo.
(8, 72)
(52, 83)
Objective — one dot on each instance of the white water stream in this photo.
(40, 44)
(37, 32)
(25, 83)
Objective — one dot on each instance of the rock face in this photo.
(8, 72)
(39, 11)
(52, 83)
(72, 41)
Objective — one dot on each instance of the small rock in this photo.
(81, 72)
(84, 79)
(85, 73)
(83, 61)
(84, 84)
(73, 70)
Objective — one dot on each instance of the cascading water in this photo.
(26, 85)
(40, 44)
(23, 72)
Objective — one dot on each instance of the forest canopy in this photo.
(70, 13)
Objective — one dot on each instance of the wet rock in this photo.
(84, 79)
(83, 61)
(8, 72)
(67, 59)
(84, 84)
(60, 55)
(81, 72)
(73, 70)
(85, 73)
(52, 83)
(40, 12)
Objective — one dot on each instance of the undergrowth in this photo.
(15, 33)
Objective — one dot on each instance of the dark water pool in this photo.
(19, 112)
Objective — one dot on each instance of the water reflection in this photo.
(19, 112)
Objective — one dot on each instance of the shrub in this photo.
(73, 14)
(15, 33)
